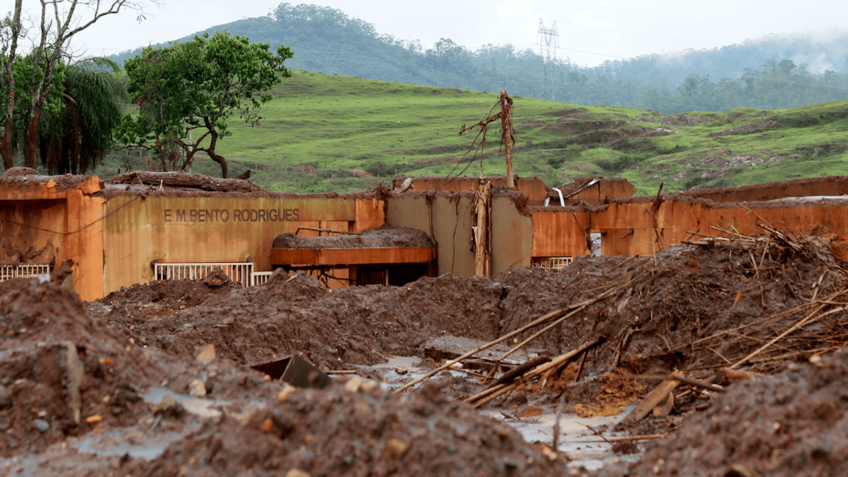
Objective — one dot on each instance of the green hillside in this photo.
(322, 131)
(758, 73)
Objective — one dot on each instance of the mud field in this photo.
(155, 379)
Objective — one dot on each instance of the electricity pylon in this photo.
(548, 44)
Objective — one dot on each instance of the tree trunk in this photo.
(219, 159)
(506, 125)
(6, 140)
(6, 145)
(31, 152)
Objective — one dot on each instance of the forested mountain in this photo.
(779, 71)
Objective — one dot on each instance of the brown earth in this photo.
(694, 308)
(335, 432)
(65, 374)
(328, 432)
(662, 304)
(791, 424)
(50, 351)
(354, 325)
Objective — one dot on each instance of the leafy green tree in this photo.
(188, 91)
(16, 116)
(81, 133)
(59, 21)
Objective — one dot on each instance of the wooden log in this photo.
(514, 373)
(655, 397)
(488, 345)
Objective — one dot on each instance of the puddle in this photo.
(197, 406)
(117, 443)
(573, 435)
(399, 370)
(573, 431)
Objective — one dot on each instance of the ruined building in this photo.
(138, 227)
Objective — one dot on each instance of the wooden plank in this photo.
(351, 256)
(652, 400)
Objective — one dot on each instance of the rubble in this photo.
(704, 338)
(792, 423)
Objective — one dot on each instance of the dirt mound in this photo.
(786, 425)
(354, 325)
(382, 237)
(61, 373)
(337, 432)
(671, 310)
(682, 307)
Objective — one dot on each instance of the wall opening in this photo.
(597, 240)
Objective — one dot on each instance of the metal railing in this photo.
(238, 272)
(260, 278)
(29, 270)
(551, 263)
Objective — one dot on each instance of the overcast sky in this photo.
(589, 32)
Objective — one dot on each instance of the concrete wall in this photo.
(532, 187)
(174, 229)
(446, 218)
(43, 223)
(512, 235)
(638, 227)
(601, 192)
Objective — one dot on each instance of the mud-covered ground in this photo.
(129, 384)
(658, 316)
(790, 424)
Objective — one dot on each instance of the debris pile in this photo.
(296, 313)
(698, 307)
(61, 373)
(793, 423)
(702, 307)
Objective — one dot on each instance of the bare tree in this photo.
(60, 20)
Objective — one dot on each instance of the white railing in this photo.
(23, 271)
(260, 278)
(238, 272)
(551, 263)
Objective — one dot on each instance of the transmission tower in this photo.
(548, 44)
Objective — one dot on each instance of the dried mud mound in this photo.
(353, 325)
(688, 307)
(337, 432)
(62, 373)
(382, 237)
(792, 424)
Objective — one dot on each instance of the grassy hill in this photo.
(777, 71)
(324, 132)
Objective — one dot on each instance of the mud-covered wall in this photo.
(559, 234)
(643, 226)
(446, 218)
(532, 187)
(43, 223)
(24, 230)
(225, 228)
(512, 234)
(603, 191)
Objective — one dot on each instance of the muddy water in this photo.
(576, 439)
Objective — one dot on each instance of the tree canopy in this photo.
(186, 93)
